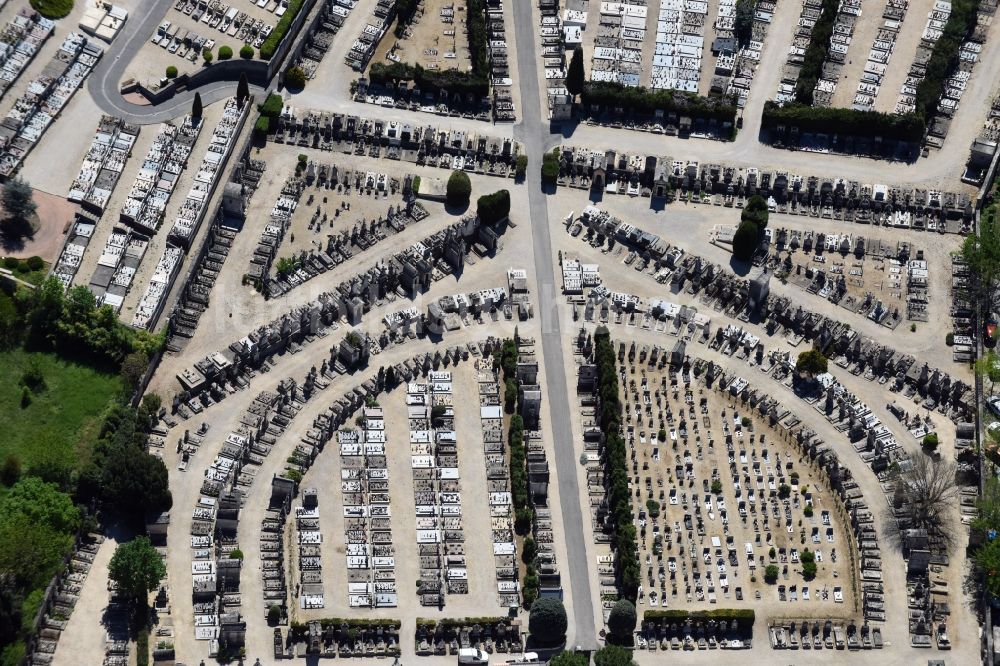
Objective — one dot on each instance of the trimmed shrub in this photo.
(295, 77)
(547, 621)
(459, 189)
(246, 52)
(225, 52)
(270, 45)
(171, 72)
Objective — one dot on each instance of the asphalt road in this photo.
(103, 81)
(533, 133)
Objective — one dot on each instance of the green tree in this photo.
(745, 240)
(242, 88)
(575, 74)
(743, 22)
(459, 189)
(988, 366)
(613, 655)
(133, 368)
(988, 507)
(771, 573)
(756, 211)
(529, 550)
(42, 504)
(225, 53)
(206, 54)
(295, 78)
(569, 658)
(811, 362)
(621, 621)
(509, 395)
(547, 622)
(11, 470)
(521, 166)
(171, 72)
(246, 52)
(137, 568)
(19, 205)
(492, 208)
(987, 560)
(930, 442)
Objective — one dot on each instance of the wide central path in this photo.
(534, 135)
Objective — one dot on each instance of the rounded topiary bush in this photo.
(246, 52)
(459, 189)
(295, 77)
(225, 52)
(35, 263)
(547, 621)
(171, 72)
(622, 620)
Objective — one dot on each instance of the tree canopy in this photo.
(613, 655)
(19, 206)
(492, 208)
(547, 621)
(811, 362)
(459, 189)
(137, 568)
(745, 240)
(622, 620)
(569, 658)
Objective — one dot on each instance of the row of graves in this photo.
(925, 552)
(767, 489)
(228, 219)
(44, 99)
(900, 278)
(340, 247)
(680, 41)
(117, 265)
(848, 14)
(750, 299)
(364, 482)
(787, 426)
(823, 197)
(103, 164)
(801, 38)
(309, 546)
(545, 566)
(437, 492)
(962, 313)
(498, 481)
(852, 509)
(77, 240)
(559, 34)
(224, 370)
(371, 35)
(61, 598)
(347, 638)
(878, 57)
(956, 84)
(419, 144)
(152, 301)
(209, 172)
(501, 81)
(226, 19)
(146, 203)
(320, 39)
(736, 64)
(617, 55)
(214, 528)
(498, 635)
(441, 102)
(20, 40)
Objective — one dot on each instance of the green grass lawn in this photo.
(61, 423)
(53, 9)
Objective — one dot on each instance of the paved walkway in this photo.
(534, 135)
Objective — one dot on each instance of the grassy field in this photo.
(60, 422)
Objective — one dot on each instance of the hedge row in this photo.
(903, 127)
(452, 80)
(616, 474)
(745, 617)
(944, 57)
(270, 45)
(816, 52)
(645, 101)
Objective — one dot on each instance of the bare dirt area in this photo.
(436, 38)
(53, 218)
